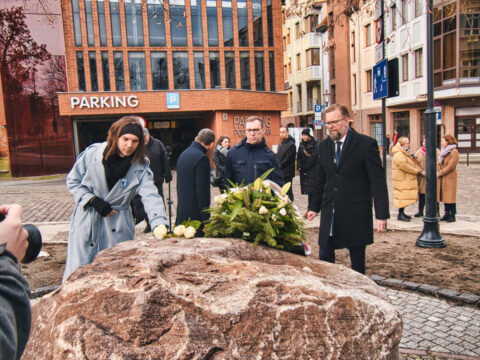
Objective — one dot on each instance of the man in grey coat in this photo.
(193, 180)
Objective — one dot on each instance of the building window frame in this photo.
(405, 67)
(419, 63)
(368, 80)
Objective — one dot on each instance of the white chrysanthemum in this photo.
(179, 230)
(220, 198)
(283, 212)
(274, 217)
(263, 210)
(160, 232)
(190, 232)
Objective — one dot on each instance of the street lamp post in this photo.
(430, 236)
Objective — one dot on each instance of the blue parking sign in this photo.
(173, 100)
(318, 108)
(380, 80)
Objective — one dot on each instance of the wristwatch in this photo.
(4, 251)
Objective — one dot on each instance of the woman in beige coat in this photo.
(447, 174)
(404, 176)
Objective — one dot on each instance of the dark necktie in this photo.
(338, 153)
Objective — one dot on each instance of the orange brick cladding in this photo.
(71, 49)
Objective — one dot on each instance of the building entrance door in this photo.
(467, 131)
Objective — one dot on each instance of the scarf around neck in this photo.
(445, 151)
(116, 167)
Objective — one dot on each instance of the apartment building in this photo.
(305, 60)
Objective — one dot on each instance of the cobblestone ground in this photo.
(433, 324)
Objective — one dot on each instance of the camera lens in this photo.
(34, 243)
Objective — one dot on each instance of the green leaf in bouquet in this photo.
(285, 188)
(236, 208)
(266, 173)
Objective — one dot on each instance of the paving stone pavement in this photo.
(430, 324)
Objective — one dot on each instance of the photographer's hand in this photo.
(12, 232)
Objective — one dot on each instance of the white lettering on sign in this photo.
(239, 125)
(102, 102)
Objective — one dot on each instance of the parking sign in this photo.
(380, 80)
(318, 108)
(173, 100)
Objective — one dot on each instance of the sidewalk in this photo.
(433, 328)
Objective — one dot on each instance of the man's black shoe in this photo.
(444, 217)
(419, 214)
(451, 218)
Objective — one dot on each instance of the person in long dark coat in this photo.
(157, 155)
(286, 154)
(307, 160)
(220, 158)
(193, 180)
(350, 174)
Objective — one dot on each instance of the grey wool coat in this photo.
(91, 233)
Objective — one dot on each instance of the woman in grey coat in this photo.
(103, 181)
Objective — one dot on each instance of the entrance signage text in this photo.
(239, 125)
(103, 102)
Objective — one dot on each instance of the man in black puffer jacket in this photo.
(286, 157)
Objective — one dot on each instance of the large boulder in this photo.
(213, 299)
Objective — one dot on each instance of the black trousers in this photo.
(290, 191)
(357, 256)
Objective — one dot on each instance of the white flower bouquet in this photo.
(258, 214)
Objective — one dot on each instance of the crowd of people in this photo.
(117, 183)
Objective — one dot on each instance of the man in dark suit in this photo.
(350, 173)
(286, 153)
(193, 180)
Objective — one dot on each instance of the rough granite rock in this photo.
(213, 299)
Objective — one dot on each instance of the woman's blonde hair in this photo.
(402, 140)
(114, 135)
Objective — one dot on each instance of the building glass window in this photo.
(298, 32)
(311, 22)
(405, 67)
(105, 71)
(393, 17)
(77, 28)
(159, 70)
(469, 46)
(257, 23)
(102, 26)
(115, 23)
(92, 62)
(227, 18)
(401, 123)
(230, 72)
(270, 22)
(368, 35)
(376, 131)
(212, 23)
(178, 23)
(418, 63)
(214, 69)
(313, 57)
(245, 70)
(404, 15)
(242, 19)
(259, 71)
(80, 71)
(418, 8)
(197, 28)
(368, 79)
(299, 62)
(199, 63)
(89, 23)
(136, 67)
(445, 44)
(156, 23)
(181, 74)
(271, 63)
(119, 73)
(134, 22)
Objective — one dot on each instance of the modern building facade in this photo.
(305, 60)
(181, 64)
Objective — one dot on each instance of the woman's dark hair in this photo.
(450, 139)
(114, 135)
(221, 138)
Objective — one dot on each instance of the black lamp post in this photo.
(430, 236)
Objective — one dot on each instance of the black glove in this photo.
(102, 207)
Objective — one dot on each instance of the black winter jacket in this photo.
(307, 160)
(286, 157)
(158, 163)
(246, 162)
